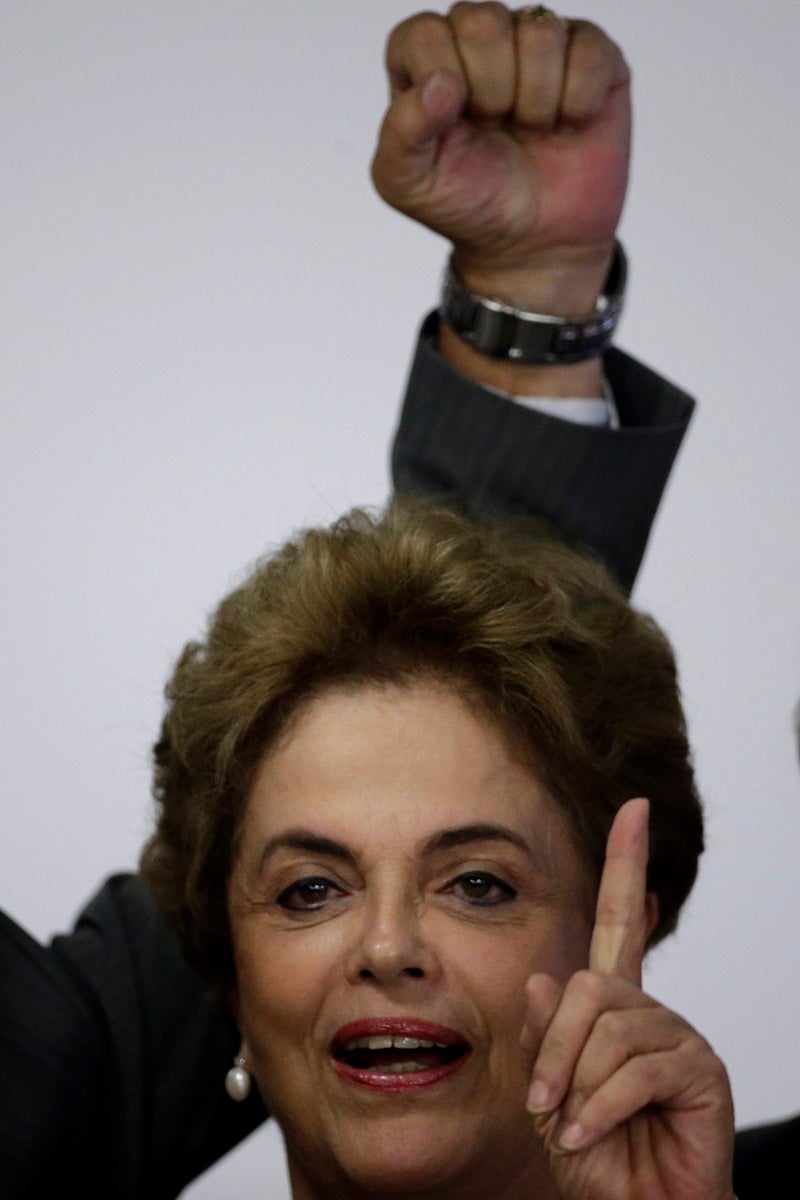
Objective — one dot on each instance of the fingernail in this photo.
(538, 1096)
(571, 1137)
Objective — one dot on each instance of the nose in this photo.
(391, 947)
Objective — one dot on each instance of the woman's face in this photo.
(398, 879)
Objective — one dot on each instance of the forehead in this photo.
(403, 761)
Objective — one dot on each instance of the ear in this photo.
(652, 910)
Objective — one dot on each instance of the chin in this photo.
(400, 1173)
(405, 1155)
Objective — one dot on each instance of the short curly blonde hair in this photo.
(583, 686)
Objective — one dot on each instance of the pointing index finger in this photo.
(620, 926)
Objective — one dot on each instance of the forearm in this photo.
(600, 488)
(508, 133)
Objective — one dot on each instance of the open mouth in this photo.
(398, 1058)
(397, 1055)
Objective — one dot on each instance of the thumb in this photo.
(409, 139)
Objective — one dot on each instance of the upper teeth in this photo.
(389, 1041)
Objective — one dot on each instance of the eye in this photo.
(481, 888)
(308, 894)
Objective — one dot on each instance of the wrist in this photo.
(564, 281)
(524, 352)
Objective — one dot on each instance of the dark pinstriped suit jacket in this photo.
(111, 1058)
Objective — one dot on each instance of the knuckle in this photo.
(427, 31)
(696, 1050)
(696, 1047)
(555, 1048)
(589, 984)
(614, 1024)
(590, 62)
(547, 37)
(480, 24)
(537, 988)
(649, 1070)
(549, 1063)
(587, 31)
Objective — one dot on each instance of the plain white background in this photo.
(207, 317)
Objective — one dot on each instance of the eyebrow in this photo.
(446, 839)
(483, 831)
(310, 843)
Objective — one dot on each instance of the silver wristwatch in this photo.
(503, 331)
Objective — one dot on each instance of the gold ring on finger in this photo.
(538, 12)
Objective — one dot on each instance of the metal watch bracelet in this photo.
(503, 331)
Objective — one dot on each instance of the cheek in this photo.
(565, 949)
(494, 966)
(283, 979)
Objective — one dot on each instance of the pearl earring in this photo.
(238, 1080)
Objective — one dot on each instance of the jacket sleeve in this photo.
(112, 1059)
(765, 1156)
(599, 488)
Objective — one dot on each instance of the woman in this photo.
(396, 830)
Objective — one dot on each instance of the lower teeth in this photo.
(402, 1068)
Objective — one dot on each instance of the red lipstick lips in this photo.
(395, 1054)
